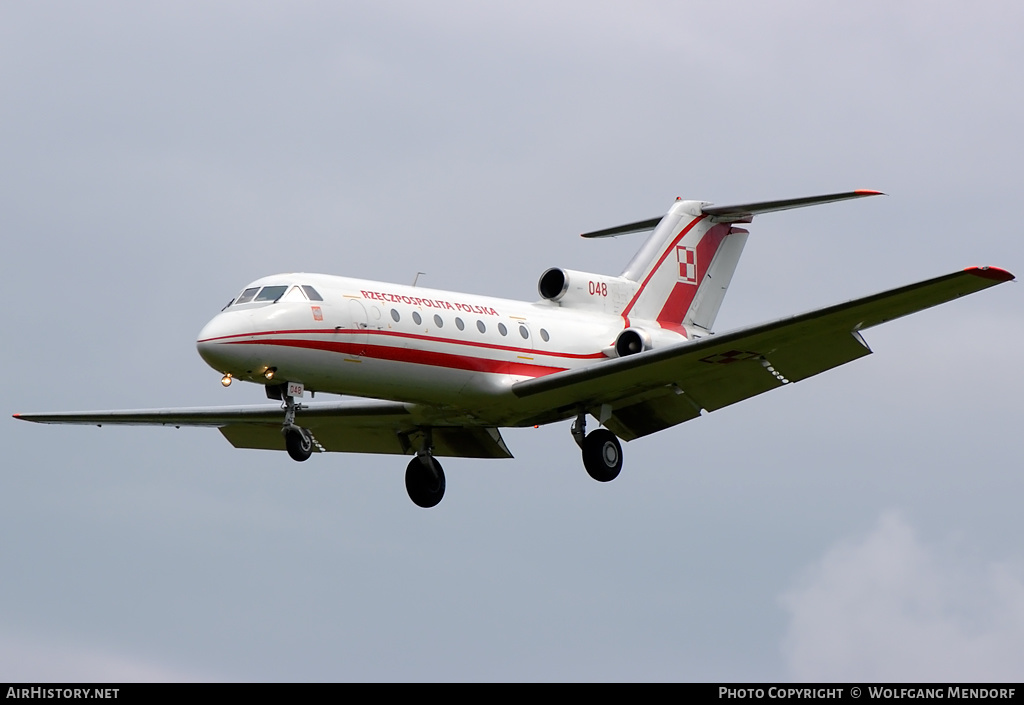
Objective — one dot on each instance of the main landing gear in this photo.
(424, 478)
(602, 454)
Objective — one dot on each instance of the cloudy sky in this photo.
(862, 525)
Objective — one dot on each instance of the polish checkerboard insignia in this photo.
(687, 257)
(730, 356)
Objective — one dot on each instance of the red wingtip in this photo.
(993, 273)
(867, 192)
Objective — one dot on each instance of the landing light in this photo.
(269, 374)
(226, 380)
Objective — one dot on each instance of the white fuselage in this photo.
(402, 343)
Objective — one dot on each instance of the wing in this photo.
(349, 427)
(640, 394)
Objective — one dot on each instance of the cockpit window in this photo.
(271, 293)
(294, 294)
(276, 293)
(246, 296)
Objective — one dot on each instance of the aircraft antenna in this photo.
(417, 278)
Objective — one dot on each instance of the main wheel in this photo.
(299, 444)
(602, 455)
(425, 488)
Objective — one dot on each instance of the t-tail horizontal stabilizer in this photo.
(738, 213)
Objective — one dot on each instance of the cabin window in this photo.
(459, 324)
(271, 293)
(481, 327)
(544, 335)
(438, 321)
(247, 295)
(502, 329)
(395, 315)
(523, 331)
(312, 293)
(416, 318)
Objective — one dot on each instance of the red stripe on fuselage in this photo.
(413, 356)
(410, 336)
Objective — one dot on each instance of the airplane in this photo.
(439, 373)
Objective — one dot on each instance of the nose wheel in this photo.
(299, 443)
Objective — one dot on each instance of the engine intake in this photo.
(632, 341)
(553, 284)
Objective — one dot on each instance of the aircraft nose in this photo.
(213, 343)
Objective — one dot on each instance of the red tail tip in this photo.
(868, 192)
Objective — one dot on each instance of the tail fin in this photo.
(685, 266)
(677, 265)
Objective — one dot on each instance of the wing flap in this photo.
(734, 375)
(816, 355)
(638, 419)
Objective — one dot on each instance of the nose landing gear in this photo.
(298, 441)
